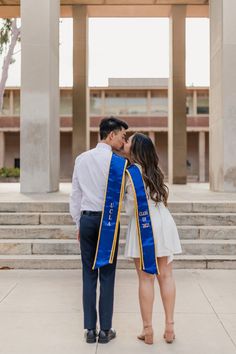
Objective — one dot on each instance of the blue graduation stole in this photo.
(108, 231)
(148, 259)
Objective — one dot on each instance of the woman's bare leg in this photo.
(146, 295)
(168, 293)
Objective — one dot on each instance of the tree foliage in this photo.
(5, 34)
(9, 36)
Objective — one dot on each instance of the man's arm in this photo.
(75, 199)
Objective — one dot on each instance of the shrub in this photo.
(9, 172)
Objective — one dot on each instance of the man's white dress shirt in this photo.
(89, 181)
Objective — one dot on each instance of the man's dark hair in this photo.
(110, 124)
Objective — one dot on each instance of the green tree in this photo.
(9, 36)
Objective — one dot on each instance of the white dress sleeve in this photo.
(129, 197)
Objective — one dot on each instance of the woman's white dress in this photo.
(165, 232)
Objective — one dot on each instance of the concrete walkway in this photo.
(41, 312)
(191, 192)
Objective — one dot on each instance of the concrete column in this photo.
(149, 102)
(103, 103)
(11, 103)
(194, 102)
(177, 135)
(152, 137)
(201, 154)
(2, 149)
(40, 139)
(80, 137)
(222, 95)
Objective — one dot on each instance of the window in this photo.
(17, 163)
(66, 103)
(136, 103)
(6, 104)
(159, 103)
(202, 103)
(189, 103)
(95, 103)
(16, 103)
(132, 103)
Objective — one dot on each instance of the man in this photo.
(90, 184)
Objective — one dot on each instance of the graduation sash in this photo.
(148, 259)
(108, 231)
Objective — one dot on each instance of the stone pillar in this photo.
(177, 135)
(11, 103)
(40, 130)
(152, 137)
(201, 154)
(222, 123)
(103, 103)
(80, 136)
(149, 102)
(194, 103)
(2, 149)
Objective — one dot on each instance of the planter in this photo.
(9, 179)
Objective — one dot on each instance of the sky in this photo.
(130, 47)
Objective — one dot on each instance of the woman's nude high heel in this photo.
(169, 334)
(147, 336)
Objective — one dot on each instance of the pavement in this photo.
(191, 192)
(41, 312)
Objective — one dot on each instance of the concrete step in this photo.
(69, 232)
(37, 232)
(74, 262)
(196, 219)
(19, 218)
(200, 219)
(209, 247)
(34, 207)
(201, 247)
(72, 247)
(175, 207)
(24, 247)
(198, 232)
(224, 232)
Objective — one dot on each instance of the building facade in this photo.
(143, 103)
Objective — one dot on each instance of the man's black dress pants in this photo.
(89, 229)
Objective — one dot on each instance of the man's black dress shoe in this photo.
(91, 336)
(106, 335)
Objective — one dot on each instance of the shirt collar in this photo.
(103, 146)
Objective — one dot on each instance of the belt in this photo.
(91, 213)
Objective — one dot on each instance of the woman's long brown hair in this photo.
(143, 152)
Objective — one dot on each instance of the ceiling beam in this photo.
(118, 11)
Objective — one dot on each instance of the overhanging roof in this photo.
(118, 8)
(119, 2)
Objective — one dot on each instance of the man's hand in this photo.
(78, 236)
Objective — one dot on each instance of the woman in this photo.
(141, 152)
